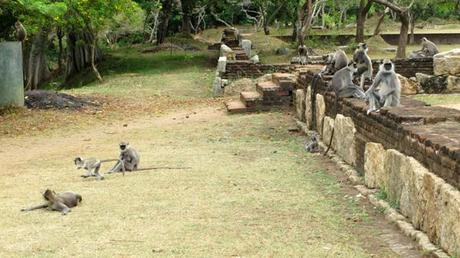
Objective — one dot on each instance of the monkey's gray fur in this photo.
(386, 89)
(313, 145)
(429, 49)
(129, 159)
(303, 54)
(364, 63)
(91, 165)
(58, 202)
(21, 33)
(342, 83)
(334, 62)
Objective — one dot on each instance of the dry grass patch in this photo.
(252, 191)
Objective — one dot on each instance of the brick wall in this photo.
(429, 134)
(247, 69)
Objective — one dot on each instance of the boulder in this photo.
(374, 173)
(300, 104)
(447, 63)
(408, 87)
(453, 84)
(344, 139)
(255, 59)
(227, 52)
(308, 111)
(432, 83)
(282, 51)
(320, 113)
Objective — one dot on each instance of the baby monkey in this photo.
(58, 202)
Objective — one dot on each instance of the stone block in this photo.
(408, 87)
(11, 75)
(328, 126)
(394, 165)
(320, 113)
(308, 111)
(431, 83)
(222, 64)
(447, 63)
(453, 84)
(300, 104)
(374, 172)
(345, 140)
(246, 44)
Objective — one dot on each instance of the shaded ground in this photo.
(42, 99)
(253, 191)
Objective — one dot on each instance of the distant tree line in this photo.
(75, 29)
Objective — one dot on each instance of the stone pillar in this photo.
(300, 104)
(222, 64)
(246, 45)
(11, 74)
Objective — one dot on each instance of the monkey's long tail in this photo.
(109, 160)
(158, 168)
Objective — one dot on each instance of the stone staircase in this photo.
(277, 92)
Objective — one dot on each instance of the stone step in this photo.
(267, 86)
(270, 91)
(236, 106)
(277, 77)
(250, 98)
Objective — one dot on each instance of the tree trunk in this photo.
(304, 20)
(80, 55)
(187, 8)
(364, 7)
(379, 24)
(165, 16)
(93, 60)
(412, 29)
(60, 35)
(403, 35)
(403, 14)
(37, 65)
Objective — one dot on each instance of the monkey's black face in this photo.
(122, 147)
(388, 66)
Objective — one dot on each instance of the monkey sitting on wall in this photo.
(302, 51)
(364, 64)
(58, 202)
(429, 49)
(21, 33)
(334, 62)
(129, 159)
(386, 89)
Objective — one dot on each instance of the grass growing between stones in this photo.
(252, 191)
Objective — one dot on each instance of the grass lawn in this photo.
(252, 190)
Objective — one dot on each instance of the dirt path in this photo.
(252, 191)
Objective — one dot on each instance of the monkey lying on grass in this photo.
(58, 202)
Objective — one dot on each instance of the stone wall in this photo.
(411, 152)
(409, 67)
(247, 69)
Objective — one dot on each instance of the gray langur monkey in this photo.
(364, 63)
(92, 166)
(386, 89)
(429, 48)
(313, 145)
(58, 202)
(334, 62)
(343, 87)
(21, 33)
(303, 54)
(128, 161)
